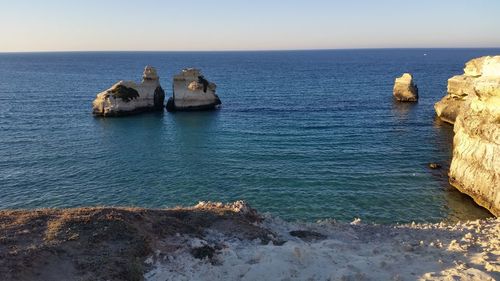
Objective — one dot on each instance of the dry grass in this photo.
(103, 243)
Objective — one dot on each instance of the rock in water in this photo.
(127, 97)
(192, 92)
(475, 167)
(434, 166)
(461, 87)
(404, 89)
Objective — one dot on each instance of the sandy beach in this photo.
(214, 241)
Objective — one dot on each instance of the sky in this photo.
(191, 25)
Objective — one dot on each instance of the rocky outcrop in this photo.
(213, 241)
(127, 97)
(404, 89)
(461, 87)
(475, 167)
(192, 92)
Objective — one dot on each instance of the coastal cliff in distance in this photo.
(475, 167)
(461, 87)
(127, 97)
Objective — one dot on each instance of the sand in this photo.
(214, 241)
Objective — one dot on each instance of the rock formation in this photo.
(461, 87)
(213, 241)
(404, 89)
(475, 168)
(127, 97)
(192, 92)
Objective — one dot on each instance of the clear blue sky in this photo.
(63, 25)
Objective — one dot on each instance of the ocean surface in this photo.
(304, 135)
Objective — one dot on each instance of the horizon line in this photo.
(243, 50)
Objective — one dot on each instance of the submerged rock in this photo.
(127, 97)
(404, 89)
(461, 87)
(192, 92)
(434, 166)
(475, 167)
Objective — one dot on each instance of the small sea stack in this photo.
(192, 92)
(127, 97)
(460, 89)
(404, 89)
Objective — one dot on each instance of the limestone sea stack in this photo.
(461, 87)
(127, 97)
(404, 89)
(191, 91)
(475, 167)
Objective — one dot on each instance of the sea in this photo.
(302, 135)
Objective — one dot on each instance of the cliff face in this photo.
(461, 87)
(192, 92)
(127, 97)
(475, 168)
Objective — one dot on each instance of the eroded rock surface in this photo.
(192, 92)
(404, 89)
(461, 87)
(475, 167)
(127, 97)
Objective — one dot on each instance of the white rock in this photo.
(127, 97)
(475, 167)
(192, 92)
(483, 66)
(404, 89)
(461, 87)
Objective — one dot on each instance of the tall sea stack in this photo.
(405, 89)
(127, 97)
(191, 91)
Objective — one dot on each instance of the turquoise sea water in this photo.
(301, 134)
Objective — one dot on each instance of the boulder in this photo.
(127, 97)
(192, 92)
(461, 87)
(475, 166)
(434, 166)
(404, 89)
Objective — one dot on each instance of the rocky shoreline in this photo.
(473, 106)
(214, 241)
